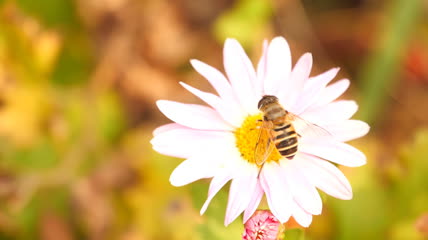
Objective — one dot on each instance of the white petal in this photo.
(241, 190)
(312, 89)
(331, 92)
(337, 111)
(277, 191)
(334, 151)
(261, 70)
(254, 203)
(278, 65)
(302, 217)
(290, 90)
(216, 79)
(184, 143)
(326, 177)
(348, 130)
(304, 193)
(216, 184)
(229, 112)
(191, 170)
(168, 127)
(241, 74)
(193, 115)
(323, 79)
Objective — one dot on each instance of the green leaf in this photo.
(367, 214)
(294, 234)
(46, 200)
(74, 62)
(51, 12)
(411, 190)
(111, 120)
(212, 226)
(379, 73)
(405, 230)
(41, 155)
(246, 21)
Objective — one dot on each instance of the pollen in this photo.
(248, 136)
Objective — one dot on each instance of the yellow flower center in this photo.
(248, 137)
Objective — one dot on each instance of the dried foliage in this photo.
(78, 85)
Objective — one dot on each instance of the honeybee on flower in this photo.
(235, 138)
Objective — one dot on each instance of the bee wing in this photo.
(265, 143)
(305, 128)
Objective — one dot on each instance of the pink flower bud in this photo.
(263, 225)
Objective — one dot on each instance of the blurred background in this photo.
(78, 85)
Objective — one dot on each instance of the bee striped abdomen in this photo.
(286, 140)
(283, 133)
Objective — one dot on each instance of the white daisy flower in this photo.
(219, 141)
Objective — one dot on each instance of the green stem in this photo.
(379, 73)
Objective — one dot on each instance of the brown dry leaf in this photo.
(150, 83)
(92, 195)
(422, 224)
(54, 227)
(170, 41)
(115, 174)
(93, 209)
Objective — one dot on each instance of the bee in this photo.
(278, 128)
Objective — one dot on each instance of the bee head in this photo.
(266, 100)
